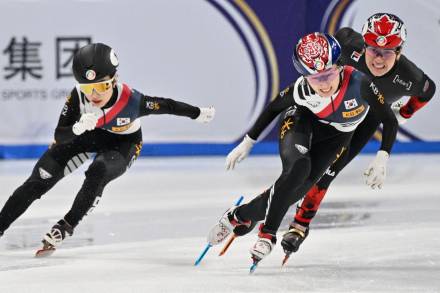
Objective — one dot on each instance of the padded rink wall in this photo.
(234, 55)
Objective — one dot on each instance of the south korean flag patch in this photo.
(350, 104)
(122, 121)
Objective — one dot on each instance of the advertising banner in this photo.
(233, 55)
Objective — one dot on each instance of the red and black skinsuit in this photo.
(404, 79)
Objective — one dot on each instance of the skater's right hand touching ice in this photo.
(239, 153)
(87, 122)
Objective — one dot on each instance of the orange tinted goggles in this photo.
(99, 87)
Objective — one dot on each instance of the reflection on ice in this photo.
(151, 224)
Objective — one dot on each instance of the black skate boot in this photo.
(54, 238)
(293, 238)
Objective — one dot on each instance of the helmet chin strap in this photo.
(341, 77)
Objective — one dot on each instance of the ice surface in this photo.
(151, 225)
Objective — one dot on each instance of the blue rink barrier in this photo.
(209, 149)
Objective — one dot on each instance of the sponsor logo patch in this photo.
(355, 56)
(302, 149)
(376, 91)
(381, 41)
(44, 174)
(330, 172)
(121, 128)
(290, 112)
(406, 84)
(284, 92)
(152, 105)
(354, 112)
(90, 74)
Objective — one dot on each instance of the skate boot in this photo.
(262, 248)
(294, 237)
(228, 223)
(54, 238)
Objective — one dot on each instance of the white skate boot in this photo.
(54, 238)
(262, 248)
(225, 226)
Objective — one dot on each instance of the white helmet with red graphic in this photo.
(384, 30)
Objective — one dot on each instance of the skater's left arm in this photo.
(376, 172)
(281, 102)
(376, 100)
(155, 105)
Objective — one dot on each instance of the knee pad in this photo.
(299, 171)
(97, 169)
(107, 166)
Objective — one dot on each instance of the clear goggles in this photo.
(327, 75)
(377, 52)
(99, 87)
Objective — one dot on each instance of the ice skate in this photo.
(262, 248)
(54, 238)
(216, 233)
(225, 226)
(293, 238)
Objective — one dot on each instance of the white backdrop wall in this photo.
(185, 50)
(204, 52)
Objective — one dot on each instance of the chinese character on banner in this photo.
(66, 47)
(23, 58)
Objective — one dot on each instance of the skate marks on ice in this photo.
(23, 260)
(339, 214)
(107, 228)
(361, 240)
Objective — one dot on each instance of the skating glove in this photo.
(376, 172)
(206, 115)
(239, 153)
(396, 109)
(87, 122)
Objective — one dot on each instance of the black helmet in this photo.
(93, 62)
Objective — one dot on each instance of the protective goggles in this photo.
(384, 53)
(327, 75)
(99, 87)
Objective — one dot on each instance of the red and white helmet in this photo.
(384, 30)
